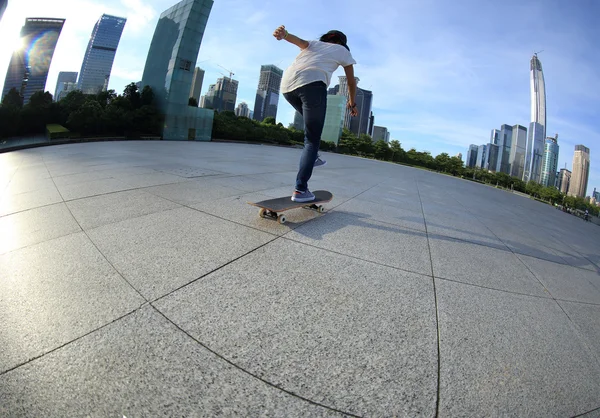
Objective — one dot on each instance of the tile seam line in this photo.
(238, 367)
(437, 314)
(585, 413)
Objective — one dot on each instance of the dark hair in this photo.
(335, 37)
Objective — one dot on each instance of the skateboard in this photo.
(272, 208)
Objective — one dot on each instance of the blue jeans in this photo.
(311, 102)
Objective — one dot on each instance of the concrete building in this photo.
(581, 171)
(100, 54)
(471, 161)
(537, 127)
(564, 180)
(504, 146)
(242, 110)
(30, 63)
(168, 71)
(550, 162)
(380, 133)
(197, 80)
(267, 93)
(516, 159)
(222, 95)
(64, 77)
(334, 118)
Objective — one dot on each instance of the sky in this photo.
(443, 73)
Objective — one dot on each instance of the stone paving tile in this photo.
(54, 292)
(365, 238)
(151, 179)
(96, 211)
(36, 225)
(481, 265)
(503, 354)
(587, 319)
(342, 332)
(92, 188)
(463, 229)
(194, 191)
(160, 252)
(13, 203)
(141, 365)
(565, 282)
(384, 213)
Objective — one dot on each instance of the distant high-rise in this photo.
(359, 124)
(472, 156)
(482, 154)
(222, 95)
(516, 159)
(334, 90)
(537, 127)
(344, 91)
(371, 124)
(197, 80)
(267, 93)
(334, 117)
(459, 156)
(242, 110)
(380, 133)
(29, 65)
(564, 180)
(100, 54)
(299, 121)
(504, 146)
(168, 71)
(550, 162)
(492, 151)
(596, 195)
(3, 4)
(64, 77)
(581, 171)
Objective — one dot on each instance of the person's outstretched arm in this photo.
(280, 33)
(349, 70)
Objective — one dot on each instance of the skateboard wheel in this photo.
(281, 219)
(320, 209)
(261, 212)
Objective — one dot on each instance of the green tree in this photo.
(147, 96)
(104, 98)
(87, 119)
(382, 150)
(442, 162)
(132, 94)
(270, 120)
(13, 98)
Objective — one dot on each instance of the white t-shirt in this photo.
(315, 63)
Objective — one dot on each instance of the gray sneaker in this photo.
(319, 162)
(301, 197)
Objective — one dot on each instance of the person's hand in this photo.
(280, 33)
(353, 109)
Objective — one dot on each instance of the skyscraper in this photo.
(100, 54)
(364, 100)
(267, 94)
(3, 4)
(492, 152)
(482, 156)
(550, 162)
(504, 146)
(242, 110)
(517, 151)
(581, 171)
(537, 127)
(222, 95)
(564, 180)
(29, 65)
(197, 80)
(380, 133)
(344, 91)
(168, 70)
(64, 77)
(299, 120)
(334, 118)
(472, 156)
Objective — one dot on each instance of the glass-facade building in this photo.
(564, 180)
(100, 54)
(63, 78)
(334, 119)
(504, 146)
(29, 65)
(537, 127)
(581, 171)
(364, 101)
(3, 4)
(472, 156)
(517, 151)
(481, 156)
(267, 93)
(550, 162)
(168, 70)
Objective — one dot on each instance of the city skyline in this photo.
(440, 82)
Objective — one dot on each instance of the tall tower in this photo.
(29, 65)
(516, 160)
(63, 78)
(550, 162)
(267, 93)
(100, 54)
(581, 171)
(169, 65)
(537, 127)
(364, 100)
(504, 147)
(344, 91)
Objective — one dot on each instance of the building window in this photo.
(185, 65)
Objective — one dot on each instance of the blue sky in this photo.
(443, 74)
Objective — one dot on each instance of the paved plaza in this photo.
(136, 281)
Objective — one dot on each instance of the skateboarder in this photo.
(304, 85)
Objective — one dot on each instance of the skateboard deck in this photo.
(271, 208)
